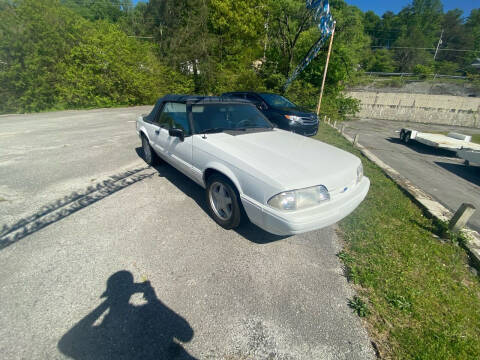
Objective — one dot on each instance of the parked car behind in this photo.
(282, 112)
(283, 182)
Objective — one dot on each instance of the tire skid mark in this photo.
(70, 204)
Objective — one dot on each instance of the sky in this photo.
(381, 6)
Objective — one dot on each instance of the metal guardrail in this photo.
(413, 74)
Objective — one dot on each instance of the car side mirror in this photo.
(262, 106)
(177, 133)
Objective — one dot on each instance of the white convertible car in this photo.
(283, 182)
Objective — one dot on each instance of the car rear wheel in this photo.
(148, 154)
(223, 201)
(407, 137)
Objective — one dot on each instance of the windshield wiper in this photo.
(220, 129)
(254, 127)
(212, 130)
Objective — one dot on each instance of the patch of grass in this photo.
(476, 138)
(424, 303)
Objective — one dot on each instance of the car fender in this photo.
(225, 170)
(252, 208)
(142, 130)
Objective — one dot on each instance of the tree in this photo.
(421, 28)
(472, 28)
(111, 10)
(349, 45)
(181, 27)
(379, 60)
(289, 19)
(53, 58)
(34, 36)
(109, 68)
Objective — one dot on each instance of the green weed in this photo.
(423, 302)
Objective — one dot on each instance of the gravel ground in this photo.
(103, 257)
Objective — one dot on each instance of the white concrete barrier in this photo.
(433, 109)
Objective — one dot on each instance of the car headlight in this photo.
(293, 118)
(300, 199)
(359, 173)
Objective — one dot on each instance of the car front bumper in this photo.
(297, 222)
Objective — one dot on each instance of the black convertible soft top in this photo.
(192, 99)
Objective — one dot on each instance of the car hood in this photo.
(286, 160)
(295, 111)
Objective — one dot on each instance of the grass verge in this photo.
(476, 138)
(423, 301)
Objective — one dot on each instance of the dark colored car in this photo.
(281, 111)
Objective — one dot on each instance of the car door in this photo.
(177, 151)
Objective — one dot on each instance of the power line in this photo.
(420, 48)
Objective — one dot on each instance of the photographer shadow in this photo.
(117, 329)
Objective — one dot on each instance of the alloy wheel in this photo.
(220, 201)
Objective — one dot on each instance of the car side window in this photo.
(237, 96)
(253, 99)
(174, 116)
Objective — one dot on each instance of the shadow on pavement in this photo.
(469, 173)
(424, 149)
(68, 205)
(117, 329)
(248, 230)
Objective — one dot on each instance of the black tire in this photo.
(407, 137)
(149, 154)
(228, 216)
(402, 135)
(467, 163)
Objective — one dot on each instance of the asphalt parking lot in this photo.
(103, 257)
(437, 172)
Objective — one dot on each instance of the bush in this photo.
(60, 60)
(423, 70)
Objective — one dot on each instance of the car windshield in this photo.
(277, 101)
(221, 117)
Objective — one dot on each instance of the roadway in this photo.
(437, 172)
(103, 257)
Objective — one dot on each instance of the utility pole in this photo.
(265, 46)
(440, 42)
(326, 68)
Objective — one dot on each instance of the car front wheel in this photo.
(149, 155)
(223, 202)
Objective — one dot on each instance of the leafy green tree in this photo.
(181, 27)
(379, 60)
(111, 10)
(239, 28)
(350, 43)
(53, 58)
(289, 19)
(422, 27)
(35, 35)
(109, 68)
(472, 29)
(454, 36)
